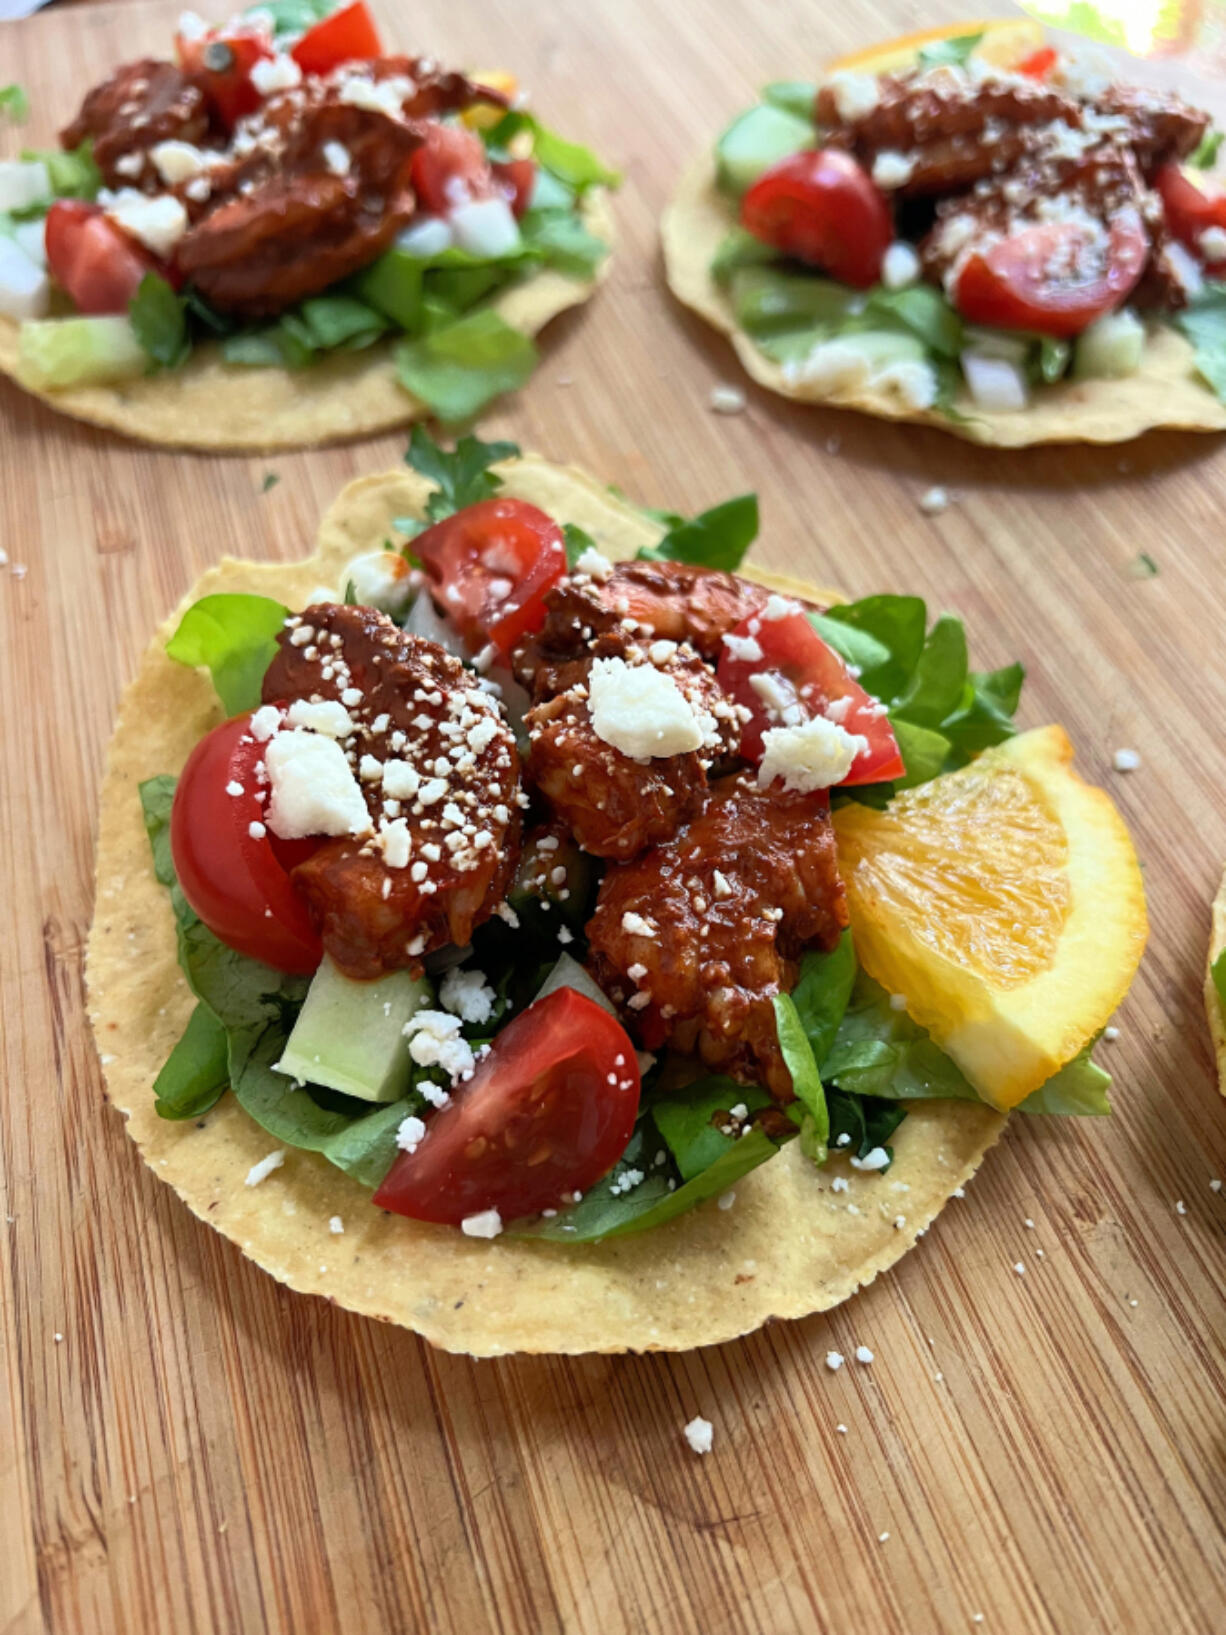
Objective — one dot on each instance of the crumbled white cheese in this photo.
(933, 501)
(409, 1133)
(1125, 760)
(700, 1433)
(855, 95)
(279, 73)
(1111, 1035)
(488, 1224)
(878, 1158)
(815, 755)
(261, 1171)
(265, 721)
(727, 399)
(467, 995)
(594, 564)
(336, 1225)
(1185, 267)
(380, 579)
(640, 711)
(388, 97)
(485, 227)
(191, 26)
(779, 607)
(720, 883)
(1213, 243)
(159, 223)
(394, 843)
(336, 157)
(834, 1361)
(636, 926)
(400, 780)
(178, 161)
(863, 1354)
(314, 792)
(900, 266)
(326, 717)
(745, 649)
(892, 170)
(434, 1041)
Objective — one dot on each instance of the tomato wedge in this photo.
(824, 208)
(1053, 277)
(233, 878)
(1039, 64)
(91, 259)
(796, 677)
(220, 63)
(1189, 210)
(348, 35)
(490, 567)
(546, 1114)
(450, 168)
(516, 178)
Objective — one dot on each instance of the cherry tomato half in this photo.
(220, 64)
(798, 671)
(547, 1113)
(93, 259)
(1039, 64)
(348, 35)
(450, 168)
(824, 208)
(516, 178)
(490, 567)
(234, 879)
(1053, 277)
(1188, 208)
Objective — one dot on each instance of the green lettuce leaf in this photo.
(73, 173)
(197, 1070)
(570, 162)
(563, 241)
(806, 1082)
(577, 540)
(160, 320)
(459, 369)
(461, 475)
(14, 103)
(718, 538)
(1204, 157)
(691, 1123)
(921, 310)
(235, 636)
(1203, 322)
(822, 991)
(793, 96)
(340, 321)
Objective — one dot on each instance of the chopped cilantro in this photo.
(462, 475)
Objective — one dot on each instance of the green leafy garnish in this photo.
(562, 241)
(717, 538)
(197, 1070)
(157, 315)
(1143, 566)
(920, 310)
(235, 636)
(14, 103)
(1203, 322)
(798, 1055)
(569, 162)
(577, 540)
(1218, 972)
(859, 1124)
(694, 1124)
(458, 369)
(271, 479)
(461, 475)
(73, 174)
(956, 52)
(1053, 358)
(1204, 155)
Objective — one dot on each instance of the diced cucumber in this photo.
(56, 353)
(25, 290)
(797, 97)
(535, 891)
(997, 343)
(349, 1035)
(1110, 348)
(24, 184)
(768, 301)
(757, 140)
(739, 249)
(393, 286)
(568, 973)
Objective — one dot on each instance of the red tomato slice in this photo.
(547, 1113)
(490, 567)
(516, 178)
(824, 208)
(1039, 63)
(232, 878)
(1053, 277)
(92, 259)
(799, 673)
(1188, 209)
(348, 35)
(450, 168)
(220, 63)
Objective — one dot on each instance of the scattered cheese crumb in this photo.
(1181, 1208)
(934, 501)
(1126, 760)
(727, 399)
(409, 1133)
(1215, 1185)
(488, 1224)
(313, 790)
(1019, 1268)
(726, 1200)
(816, 755)
(261, 1171)
(878, 1158)
(434, 1041)
(640, 711)
(700, 1433)
(325, 716)
(900, 266)
(595, 564)
(863, 1354)
(1111, 1035)
(467, 995)
(336, 1225)
(834, 1361)
(882, 1537)
(636, 926)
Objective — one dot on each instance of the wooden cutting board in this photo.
(184, 1446)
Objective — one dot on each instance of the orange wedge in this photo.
(1005, 42)
(483, 116)
(1004, 903)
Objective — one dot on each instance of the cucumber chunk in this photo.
(797, 97)
(349, 1035)
(737, 250)
(756, 141)
(55, 353)
(568, 973)
(1110, 348)
(768, 301)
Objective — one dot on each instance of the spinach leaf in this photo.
(570, 162)
(156, 799)
(806, 1082)
(235, 636)
(196, 1072)
(955, 52)
(563, 241)
(461, 475)
(1203, 322)
(925, 755)
(692, 1121)
(895, 623)
(1204, 156)
(458, 369)
(577, 540)
(865, 1122)
(160, 320)
(717, 538)
(938, 681)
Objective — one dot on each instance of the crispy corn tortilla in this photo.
(1165, 391)
(209, 404)
(1213, 1005)
(790, 1245)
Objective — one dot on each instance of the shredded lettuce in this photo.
(718, 538)
(457, 370)
(235, 636)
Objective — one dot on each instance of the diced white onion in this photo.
(426, 621)
(995, 384)
(485, 227)
(24, 183)
(31, 236)
(515, 700)
(429, 236)
(25, 290)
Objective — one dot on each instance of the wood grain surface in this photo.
(186, 1447)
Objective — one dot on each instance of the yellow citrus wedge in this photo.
(1004, 43)
(1004, 903)
(483, 116)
